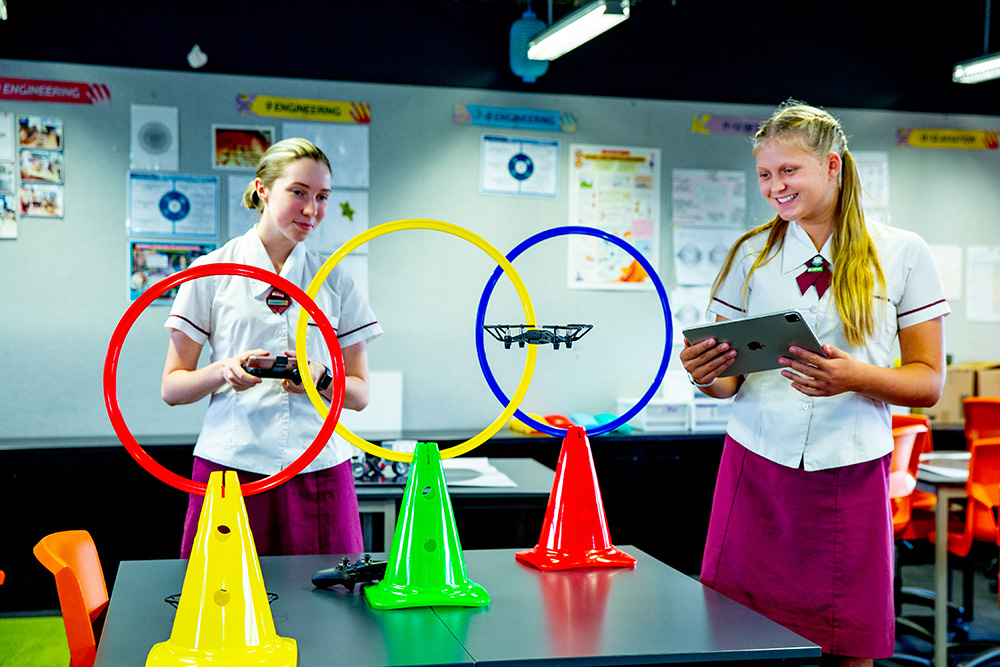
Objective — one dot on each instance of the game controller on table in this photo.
(347, 574)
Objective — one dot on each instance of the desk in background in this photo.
(533, 486)
(946, 487)
(646, 615)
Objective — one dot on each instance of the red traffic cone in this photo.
(575, 533)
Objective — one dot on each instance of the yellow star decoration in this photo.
(346, 210)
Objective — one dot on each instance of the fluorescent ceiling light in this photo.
(576, 28)
(979, 69)
(985, 67)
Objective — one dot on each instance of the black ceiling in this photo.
(880, 54)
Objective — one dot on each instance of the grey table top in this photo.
(651, 613)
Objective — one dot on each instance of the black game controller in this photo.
(273, 367)
(363, 571)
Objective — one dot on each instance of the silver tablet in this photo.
(759, 340)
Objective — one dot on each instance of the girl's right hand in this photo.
(234, 375)
(705, 361)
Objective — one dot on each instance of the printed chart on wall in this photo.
(617, 190)
(515, 166)
(173, 205)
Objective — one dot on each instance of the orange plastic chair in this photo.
(908, 444)
(922, 503)
(83, 594)
(982, 490)
(983, 493)
(982, 418)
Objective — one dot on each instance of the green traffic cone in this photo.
(426, 567)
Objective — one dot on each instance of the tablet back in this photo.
(759, 340)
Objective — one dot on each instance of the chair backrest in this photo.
(982, 418)
(908, 444)
(983, 488)
(83, 594)
(926, 438)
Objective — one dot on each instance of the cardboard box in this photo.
(959, 384)
(973, 378)
(988, 382)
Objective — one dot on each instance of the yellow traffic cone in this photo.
(223, 616)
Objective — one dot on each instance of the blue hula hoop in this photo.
(667, 323)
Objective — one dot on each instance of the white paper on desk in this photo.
(943, 471)
(482, 473)
(930, 457)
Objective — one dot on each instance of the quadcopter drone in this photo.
(524, 334)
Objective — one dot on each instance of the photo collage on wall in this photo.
(40, 163)
(31, 153)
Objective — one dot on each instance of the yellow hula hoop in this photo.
(361, 239)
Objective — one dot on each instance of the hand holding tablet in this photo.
(760, 340)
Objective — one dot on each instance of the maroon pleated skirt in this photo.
(812, 551)
(312, 513)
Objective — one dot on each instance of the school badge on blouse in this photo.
(817, 273)
(277, 301)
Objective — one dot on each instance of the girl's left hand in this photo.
(815, 375)
(316, 369)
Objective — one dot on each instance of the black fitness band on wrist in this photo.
(324, 381)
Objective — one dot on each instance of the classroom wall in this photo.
(64, 280)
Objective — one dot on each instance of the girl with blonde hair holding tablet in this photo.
(800, 528)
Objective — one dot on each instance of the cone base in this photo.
(551, 559)
(389, 596)
(279, 652)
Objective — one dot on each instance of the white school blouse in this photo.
(772, 419)
(265, 428)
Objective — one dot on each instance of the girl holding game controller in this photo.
(258, 426)
(801, 528)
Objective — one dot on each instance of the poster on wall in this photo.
(39, 200)
(238, 219)
(982, 281)
(154, 139)
(39, 165)
(873, 170)
(151, 262)
(345, 146)
(703, 197)
(688, 308)
(40, 132)
(6, 137)
(617, 190)
(699, 253)
(8, 217)
(346, 217)
(7, 173)
(173, 205)
(239, 147)
(515, 166)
